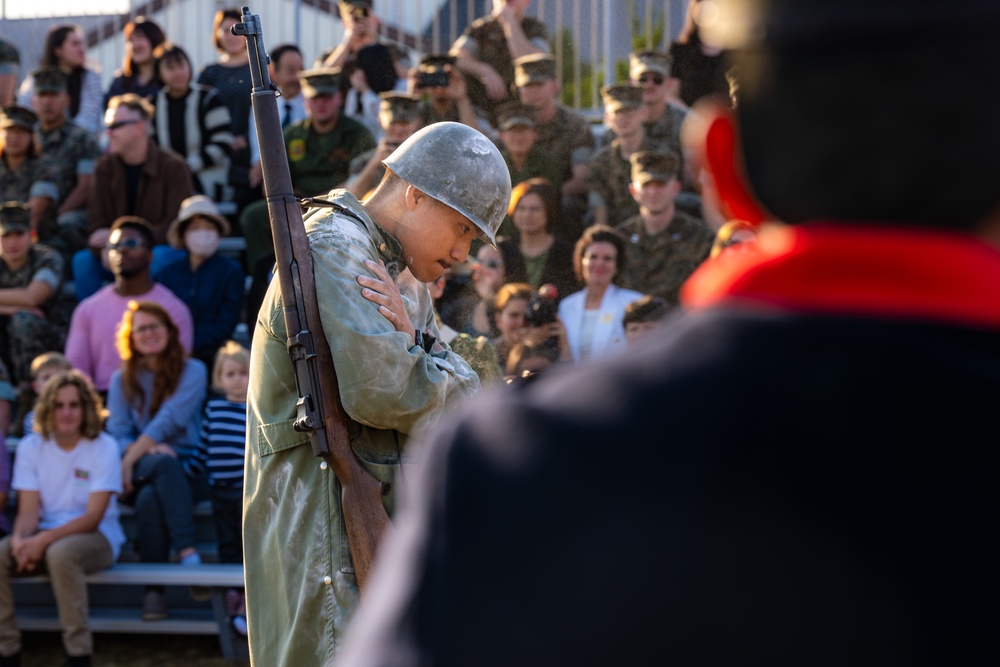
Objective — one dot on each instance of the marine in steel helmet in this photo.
(458, 166)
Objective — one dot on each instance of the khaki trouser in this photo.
(67, 562)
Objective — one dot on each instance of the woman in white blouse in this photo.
(593, 316)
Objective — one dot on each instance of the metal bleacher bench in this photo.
(217, 577)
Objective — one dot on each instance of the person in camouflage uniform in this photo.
(399, 116)
(487, 49)
(444, 103)
(319, 149)
(25, 174)
(34, 313)
(74, 152)
(610, 171)
(10, 65)
(662, 118)
(524, 157)
(560, 130)
(665, 245)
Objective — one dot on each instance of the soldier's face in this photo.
(323, 109)
(16, 140)
(655, 196)
(14, 246)
(539, 94)
(519, 139)
(434, 236)
(625, 122)
(50, 106)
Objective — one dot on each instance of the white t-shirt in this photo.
(64, 480)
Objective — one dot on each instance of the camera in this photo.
(437, 79)
(542, 307)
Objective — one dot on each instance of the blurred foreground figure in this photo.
(794, 471)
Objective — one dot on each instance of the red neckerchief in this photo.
(839, 268)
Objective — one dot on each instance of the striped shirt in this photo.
(223, 441)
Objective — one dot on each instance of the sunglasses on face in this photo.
(121, 123)
(127, 244)
(655, 77)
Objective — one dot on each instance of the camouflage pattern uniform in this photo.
(24, 335)
(316, 162)
(486, 41)
(568, 136)
(608, 180)
(660, 264)
(74, 152)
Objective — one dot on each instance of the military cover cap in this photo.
(400, 106)
(648, 61)
(435, 62)
(515, 114)
(320, 81)
(654, 166)
(50, 80)
(535, 68)
(621, 96)
(14, 217)
(18, 116)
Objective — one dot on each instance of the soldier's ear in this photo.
(413, 197)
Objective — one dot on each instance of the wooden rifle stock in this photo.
(318, 410)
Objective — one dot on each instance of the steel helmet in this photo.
(458, 166)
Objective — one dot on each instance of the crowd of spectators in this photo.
(112, 256)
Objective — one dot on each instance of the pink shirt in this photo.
(90, 345)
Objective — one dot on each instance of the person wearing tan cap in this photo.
(487, 49)
(209, 283)
(662, 112)
(560, 130)
(609, 169)
(34, 316)
(399, 116)
(518, 144)
(319, 150)
(25, 175)
(665, 245)
(72, 149)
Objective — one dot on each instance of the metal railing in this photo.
(590, 39)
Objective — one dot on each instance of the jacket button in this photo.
(382, 248)
(323, 465)
(327, 580)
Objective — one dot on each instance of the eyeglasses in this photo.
(154, 327)
(122, 123)
(127, 244)
(655, 77)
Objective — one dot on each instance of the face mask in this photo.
(202, 242)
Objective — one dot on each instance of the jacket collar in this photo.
(855, 269)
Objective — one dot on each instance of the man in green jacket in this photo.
(444, 186)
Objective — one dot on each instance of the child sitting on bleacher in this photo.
(223, 439)
(43, 367)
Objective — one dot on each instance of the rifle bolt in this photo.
(386, 488)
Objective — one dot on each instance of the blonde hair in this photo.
(48, 360)
(231, 351)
